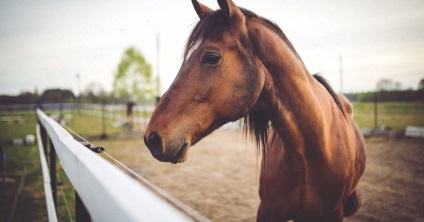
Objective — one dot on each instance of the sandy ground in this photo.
(393, 184)
(220, 179)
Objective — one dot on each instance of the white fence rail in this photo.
(51, 209)
(107, 193)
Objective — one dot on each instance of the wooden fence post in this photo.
(53, 178)
(44, 138)
(81, 212)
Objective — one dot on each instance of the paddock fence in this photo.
(102, 191)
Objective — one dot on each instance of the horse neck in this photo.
(289, 99)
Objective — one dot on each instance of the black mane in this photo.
(333, 94)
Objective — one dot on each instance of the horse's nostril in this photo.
(154, 143)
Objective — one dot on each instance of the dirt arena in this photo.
(220, 177)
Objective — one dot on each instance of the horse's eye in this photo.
(211, 58)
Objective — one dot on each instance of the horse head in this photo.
(219, 81)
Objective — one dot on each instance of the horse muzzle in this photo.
(174, 151)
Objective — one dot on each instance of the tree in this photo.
(57, 96)
(385, 85)
(421, 85)
(398, 86)
(133, 77)
(22, 98)
(94, 92)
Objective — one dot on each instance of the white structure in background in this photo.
(414, 131)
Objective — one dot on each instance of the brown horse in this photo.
(238, 64)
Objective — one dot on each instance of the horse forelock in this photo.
(209, 26)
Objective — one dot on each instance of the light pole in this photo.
(155, 30)
(341, 72)
(157, 64)
(79, 94)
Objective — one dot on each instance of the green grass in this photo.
(11, 127)
(65, 197)
(87, 125)
(391, 115)
(30, 204)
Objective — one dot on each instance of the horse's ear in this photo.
(201, 9)
(230, 9)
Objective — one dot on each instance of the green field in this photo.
(31, 199)
(23, 176)
(391, 115)
(16, 125)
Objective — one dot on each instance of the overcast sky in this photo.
(45, 44)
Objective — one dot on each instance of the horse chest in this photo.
(289, 184)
